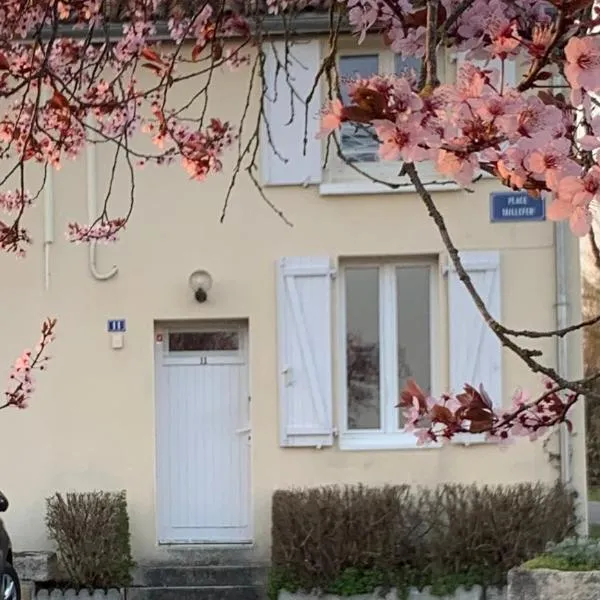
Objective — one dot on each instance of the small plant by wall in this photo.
(91, 532)
(356, 539)
(572, 554)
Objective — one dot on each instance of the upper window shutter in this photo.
(475, 351)
(305, 362)
(283, 156)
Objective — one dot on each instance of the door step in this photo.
(200, 576)
(198, 582)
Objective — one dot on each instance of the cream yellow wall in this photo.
(91, 422)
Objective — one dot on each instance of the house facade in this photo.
(289, 372)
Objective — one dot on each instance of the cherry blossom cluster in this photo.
(473, 412)
(21, 380)
(61, 92)
(542, 142)
(104, 229)
(527, 141)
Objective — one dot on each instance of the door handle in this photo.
(244, 430)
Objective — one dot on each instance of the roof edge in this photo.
(304, 24)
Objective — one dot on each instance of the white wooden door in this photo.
(202, 436)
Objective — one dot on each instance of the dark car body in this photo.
(10, 588)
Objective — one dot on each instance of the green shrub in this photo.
(91, 531)
(572, 554)
(353, 539)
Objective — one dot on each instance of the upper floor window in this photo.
(356, 164)
(359, 142)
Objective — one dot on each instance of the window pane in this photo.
(414, 345)
(203, 341)
(362, 347)
(402, 64)
(354, 67)
(358, 142)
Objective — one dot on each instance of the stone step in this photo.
(199, 576)
(206, 555)
(217, 592)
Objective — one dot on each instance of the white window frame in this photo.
(338, 178)
(388, 436)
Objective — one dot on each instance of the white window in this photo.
(387, 330)
(358, 143)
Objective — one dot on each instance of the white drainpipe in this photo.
(562, 355)
(92, 206)
(48, 221)
(48, 211)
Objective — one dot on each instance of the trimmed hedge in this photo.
(353, 539)
(91, 531)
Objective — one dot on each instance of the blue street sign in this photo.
(516, 206)
(114, 325)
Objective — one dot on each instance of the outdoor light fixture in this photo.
(200, 281)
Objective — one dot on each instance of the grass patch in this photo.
(594, 494)
(557, 564)
(572, 554)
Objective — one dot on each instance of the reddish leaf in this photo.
(442, 414)
(357, 114)
(412, 390)
(153, 67)
(58, 101)
(464, 399)
(217, 50)
(151, 55)
(477, 399)
(370, 100)
(479, 427)
(4, 64)
(543, 75)
(197, 50)
(476, 413)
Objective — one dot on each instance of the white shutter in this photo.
(283, 158)
(475, 351)
(304, 328)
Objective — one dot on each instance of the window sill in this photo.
(334, 184)
(362, 188)
(470, 439)
(382, 441)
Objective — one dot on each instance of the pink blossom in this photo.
(551, 163)
(459, 166)
(504, 39)
(401, 140)
(511, 167)
(575, 193)
(582, 69)
(332, 118)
